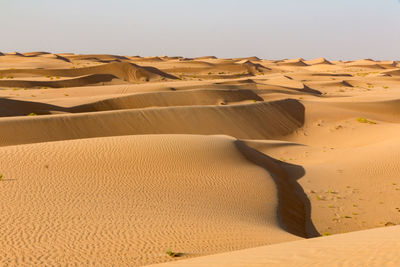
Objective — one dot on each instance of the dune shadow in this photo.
(159, 72)
(294, 208)
(12, 107)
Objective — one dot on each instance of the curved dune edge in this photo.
(168, 99)
(258, 120)
(11, 107)
(91, 79)
(294, 206)
(377, 247)
(125, 200)
(124, 71)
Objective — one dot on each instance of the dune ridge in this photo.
(124, 71)
(277, 118)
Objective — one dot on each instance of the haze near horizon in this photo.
(267, 29)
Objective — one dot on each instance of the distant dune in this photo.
(111, 160)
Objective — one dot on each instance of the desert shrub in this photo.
(171, 253)
(364, 120)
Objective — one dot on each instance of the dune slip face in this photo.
(110, 160)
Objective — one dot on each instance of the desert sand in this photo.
(377, 247)
(113, 160)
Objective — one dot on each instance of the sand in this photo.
(111, 160)
(377, 247)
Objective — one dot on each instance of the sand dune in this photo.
(205, 57)
(377, 247)
(35, 54)
(124, 157)
(137, 197)
(135, 101)
(259, 120)
(298, 62)
(15, 54)
(392, 72)
(169, 99)
(27, 62)
(124, 71)
(317, 61)
(96, 57)
(90, 79)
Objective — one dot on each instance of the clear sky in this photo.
(335, 29)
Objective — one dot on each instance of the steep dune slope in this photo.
(258, 120)
(10, 107)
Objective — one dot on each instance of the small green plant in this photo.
(171, 253)
(364, 120)
(32, 114)
(347, 217)
(326, 234)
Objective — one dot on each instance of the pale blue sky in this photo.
(335, 29)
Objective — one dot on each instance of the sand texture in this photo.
(377, 247)
(112, 160)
